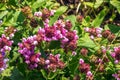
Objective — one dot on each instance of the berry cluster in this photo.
(107, 34)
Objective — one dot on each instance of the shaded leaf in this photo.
(98, 3)
(116, 4)
(16, 75)
(98, 20)
(44, 73)
(113, 28)
(73, 64)
(54, 45)
(52, 75)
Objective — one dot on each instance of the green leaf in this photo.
(86, 21)
(15, 54)
(73, 64)
(52, 75)
(54, 45)
(64, 78)
(105, 41)
(44, 73)
(113, 28)
(2, 6)
(11, 18)
(16, 75)
(98, 20)
(90, 4)
(22, 67)
(116, 4)
(98, 3)
(1, 30)
(3, 13)
(16, 14)
(13, 2)
(38, 4)
(7, 72)
(72, 18)
(20, 17)
(53, 19)
(109, 56)
(59, 12)
(86, 42)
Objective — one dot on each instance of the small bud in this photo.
(106, 33)
(33, 23)
(47, 61)
(76, 77)
(89, 73)
(68, 25)
(111, 37)
(84, 51)
(74, 53)
(81, 61)
(38, 14)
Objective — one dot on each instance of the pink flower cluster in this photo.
(45, 13)
(53, 62)
(116, 54)
(5, 43)
(60, 31)
(94, 32)
(117, 75)
(27, 51)
(33, 59)
(3, 62)
(84, 68)
(54, 32)
(10, 31)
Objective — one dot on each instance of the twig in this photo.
(99, 65)
(115, 37)
(62, 2)
(78, 7)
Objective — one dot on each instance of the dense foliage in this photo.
(60, 39)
